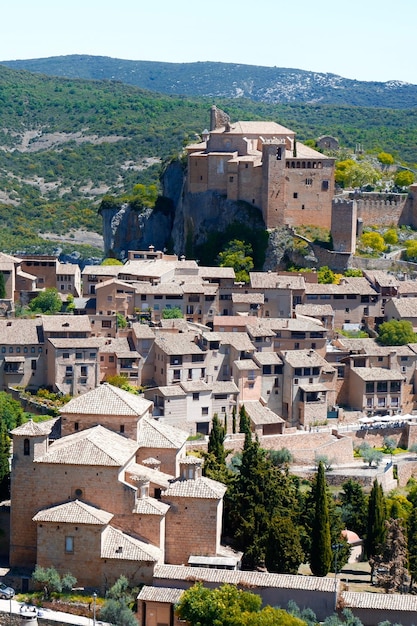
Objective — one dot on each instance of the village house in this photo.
(22, 353)
(100, 500)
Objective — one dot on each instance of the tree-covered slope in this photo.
(64, 143)
(229, 80)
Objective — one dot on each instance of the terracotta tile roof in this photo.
(76, 342)
(117, 545)
(180, 343)
(239, 340)
(142, 331)
(357, 286)
(152, 268)
(301, 324)
(154, 434)
(381, 601)
(305, 358)
(150, 506)
(256, 128)
(68, 323)
(249, 298)
(216, 272)
(179, 324)
(35, 429)
(405, 307)
(167, 595)
(191, 460)
(154, 476)
(169, 391)
(260, 414)
(246, 579)
(21, 331)
(244, 365)
(372, 348)
(226, 386)
(377, 373)
(94, 446)
(107, 400)
(382, 278)
(75, 512)
(314, 309)
(407, 286)
(101, 270)
(195, 385)
(272, 280)
(267, 358)
(199, 488)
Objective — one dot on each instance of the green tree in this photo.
(238, 255)
(244, 421)
(412, 545)
(229, 606)
(4, 462)
(391, 563)
(370, 455)
(171, 314)
(403, 178)
(375, 525)
(258, 493)
(68, 582)
(215, 458)
(111, 261)
(284, 553)
(48, 578)
(234, 419)
(396, 333)
(373, 241)
(353, 174)
(354, 506)
(354, 272)
(47, 301)
(2, 286)
(121, 321)
(116, 609)
(121, 381)
(411, 250)
(385, 158)
(280, 457)
(321, 549)
(325, 276)
(391, 237)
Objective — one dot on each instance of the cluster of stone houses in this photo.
(272, 344)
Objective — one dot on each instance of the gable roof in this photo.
(74, 512)
(198, 488)
(94, 446)
(35, 429)
(154, 434)
(117, 545)
(107, 400)
(18, 331)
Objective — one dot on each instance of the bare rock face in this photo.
(179, 217)
(126, 229)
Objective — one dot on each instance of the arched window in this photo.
(26, 447)
(279, 154)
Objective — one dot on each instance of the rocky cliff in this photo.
(180, 221)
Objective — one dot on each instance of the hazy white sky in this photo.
(359, 39)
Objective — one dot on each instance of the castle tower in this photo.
(273, 182)
(344, 225)
(30, 441)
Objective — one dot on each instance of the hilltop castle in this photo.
(262, 163)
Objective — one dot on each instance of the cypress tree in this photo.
(2, 286)
(244, 422)
(4, 463)
(321, 548)
(216, 439)
(412, 546)
(234, 420)
(375, 528)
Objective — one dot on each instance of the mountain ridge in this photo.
(272, 85)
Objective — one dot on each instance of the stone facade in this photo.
(262, 164)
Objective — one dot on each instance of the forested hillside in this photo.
(67, 142)
(276, 85)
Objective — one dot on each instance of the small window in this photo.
(196, 396)
(69, 545)
(295, 194)
(78, 355)
(65, 355)
(111, 358)
(204, 410)
(309, 182)
(26, 447)
(33, 364)
(122, 428)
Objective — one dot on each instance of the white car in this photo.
(6, 592)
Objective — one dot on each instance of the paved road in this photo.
(7, 606)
